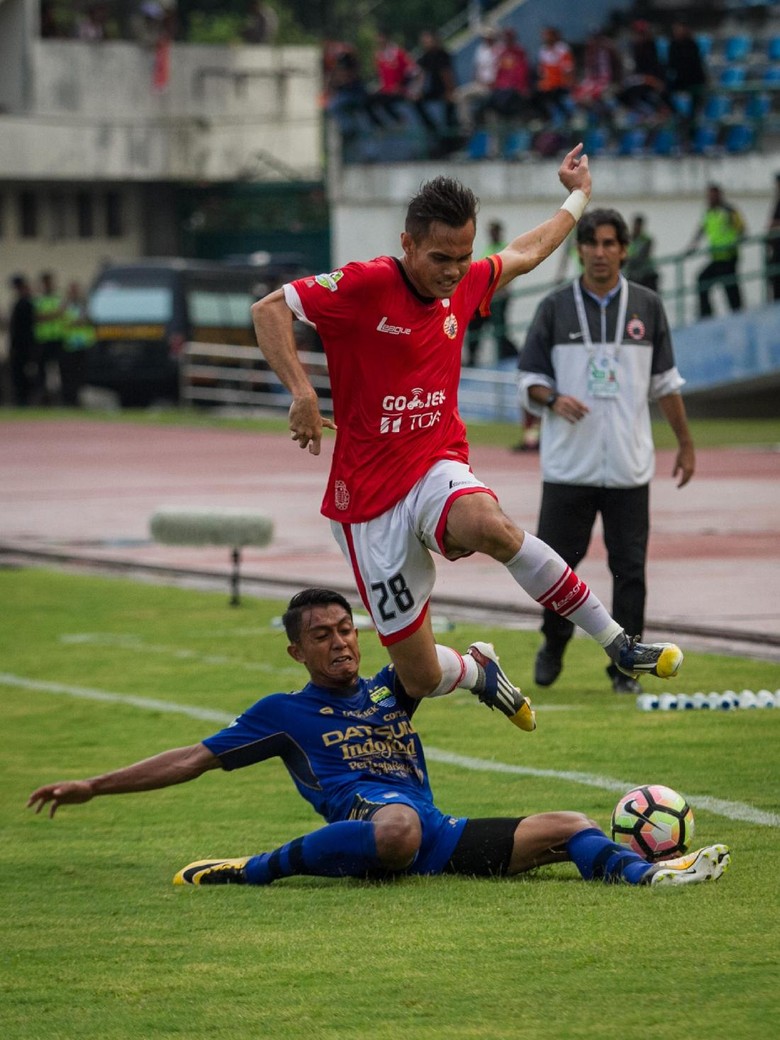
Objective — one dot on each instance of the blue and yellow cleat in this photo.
(496, 690)
(634, 658)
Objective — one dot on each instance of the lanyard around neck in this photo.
(579, 303)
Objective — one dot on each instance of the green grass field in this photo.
(99, 945)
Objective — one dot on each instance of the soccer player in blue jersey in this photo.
(353, 753)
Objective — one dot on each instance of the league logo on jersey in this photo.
(450, 326)
(329, 281)
(341, 495)
(635, 328)
(382, 694)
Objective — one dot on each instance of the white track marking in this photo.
(136, 645)
(731, 810)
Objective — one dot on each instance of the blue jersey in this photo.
(335, 746)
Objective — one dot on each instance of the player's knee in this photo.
(398, 835)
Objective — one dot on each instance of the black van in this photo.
(146, 310)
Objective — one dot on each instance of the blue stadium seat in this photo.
(772, 76)
(595, 141)
(633, 141)
(737, 48)
(732, 76)
(739, 139)
(718, 106)
(517, 144)
(758, 106)
(773, 48)
(705, 139)
(480, 145)
(665, 141)
(683, 103)
(704, 41)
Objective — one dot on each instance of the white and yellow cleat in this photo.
(705, 864)
(213, 872)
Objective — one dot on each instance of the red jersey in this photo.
(394, 359)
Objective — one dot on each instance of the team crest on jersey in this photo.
(450, 326)
(341, 495)
(635, 328)
(330, 281)
(380, 694)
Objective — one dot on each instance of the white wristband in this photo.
(576, 203)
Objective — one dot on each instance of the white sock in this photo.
(548, 579)
(457, 671)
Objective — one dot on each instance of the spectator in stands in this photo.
(724, 228)
(396, 72)
(644, 88)
(95, 24)
(261, 24)
(686, 75)
(602, 74)
(773, 246)
(554, 76)
(469, 95)
(512, 85)
(639, 265)
(436, 90)
(345, 90)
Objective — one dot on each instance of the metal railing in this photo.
(678, 286)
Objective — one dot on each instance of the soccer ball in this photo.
(654, 821)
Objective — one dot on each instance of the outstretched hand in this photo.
(574, 171)
(68, 792)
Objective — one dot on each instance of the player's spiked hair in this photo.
(292, 619)
(586, 228)
(443, 200)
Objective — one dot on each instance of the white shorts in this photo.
(391, 557)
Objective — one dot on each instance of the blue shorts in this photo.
(440, 833)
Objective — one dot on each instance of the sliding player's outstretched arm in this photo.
(175, 766)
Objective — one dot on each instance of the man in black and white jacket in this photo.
(597, 352)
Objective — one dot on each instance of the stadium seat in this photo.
(739, 139)
(683, 103)
(772, 76)
(632, 142)
(704, 41)
(705, 139)
(665, 141)
(773, 48)
(758, 106)
(480, 145)
(595, 141)
(517, 144)
(718, 106)
(737, 48)
(732, 76)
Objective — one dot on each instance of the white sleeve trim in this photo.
(665, 383)
(293, 301)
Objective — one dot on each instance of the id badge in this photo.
(602, 377)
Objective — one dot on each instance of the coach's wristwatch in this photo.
(551, 399)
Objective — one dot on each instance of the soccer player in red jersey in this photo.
(400, 486)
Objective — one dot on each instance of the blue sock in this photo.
(598, 858)
(346, 849)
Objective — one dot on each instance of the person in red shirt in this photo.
(400, 486)
(512, 85)
(395, 71)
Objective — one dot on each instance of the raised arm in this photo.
(528, 250)
(164, 770)
(273, 322)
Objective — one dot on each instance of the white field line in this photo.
(731, 810)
